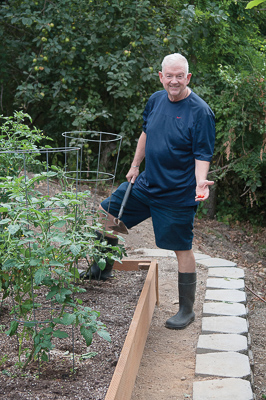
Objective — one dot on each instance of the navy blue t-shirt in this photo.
(177, 134)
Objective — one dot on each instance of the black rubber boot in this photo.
(187, 290)
(95, 271)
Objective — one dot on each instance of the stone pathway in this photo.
(224, 360)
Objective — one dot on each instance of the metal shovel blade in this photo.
(119, 226)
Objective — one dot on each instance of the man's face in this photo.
(175, 81)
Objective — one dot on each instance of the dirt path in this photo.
(167, 369)
(168, 365)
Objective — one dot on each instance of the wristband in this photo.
(134, 166)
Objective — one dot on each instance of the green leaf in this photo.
(54, 263)
(52, 293)
(90, 354)
(13, 328)
(59, 224)
(254, 3)
(44, 357)
(39, 276)
(60, 334)
(75, 272)
(87, 334)
(10, 263)
(12, 229)
(68, 319)
(105, 335)
(102, 263)
(26, 21)
(34, 262)
(37, 349)
(75, 249)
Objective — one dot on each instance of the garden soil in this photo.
(167, 368)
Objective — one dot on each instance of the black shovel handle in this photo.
(124, 202)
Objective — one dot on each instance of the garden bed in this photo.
(102, 362)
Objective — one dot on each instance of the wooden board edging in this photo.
(124, 377)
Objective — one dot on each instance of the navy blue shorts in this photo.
(173, 226)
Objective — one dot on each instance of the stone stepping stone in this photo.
(222, 342)
(227, 365)
(165, 253)
(229, 324)
(155, 252)
(226, 272)
(225, 283)
(215, 309)
(200, 256)
(229, 296)
(222, 389)
(217, 262)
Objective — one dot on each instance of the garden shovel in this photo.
(119, 226)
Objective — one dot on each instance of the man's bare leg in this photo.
(186, 261)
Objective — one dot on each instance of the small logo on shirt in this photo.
(178, 117)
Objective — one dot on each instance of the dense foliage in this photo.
(93, 64)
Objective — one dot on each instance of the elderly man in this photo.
(177, 143)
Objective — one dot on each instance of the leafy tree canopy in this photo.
(92, 65)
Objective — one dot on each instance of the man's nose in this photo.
(174, 80)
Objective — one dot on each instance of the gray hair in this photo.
(174, 58)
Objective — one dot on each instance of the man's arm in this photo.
(201, 172)
(138, 158)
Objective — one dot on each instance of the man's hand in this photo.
(202, 190)
(132, 174)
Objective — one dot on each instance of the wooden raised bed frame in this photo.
(124, 377)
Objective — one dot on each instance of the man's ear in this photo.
(188, 78)
(161, 76)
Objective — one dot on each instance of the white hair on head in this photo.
(174, 58)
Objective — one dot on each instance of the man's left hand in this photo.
(202, 190)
